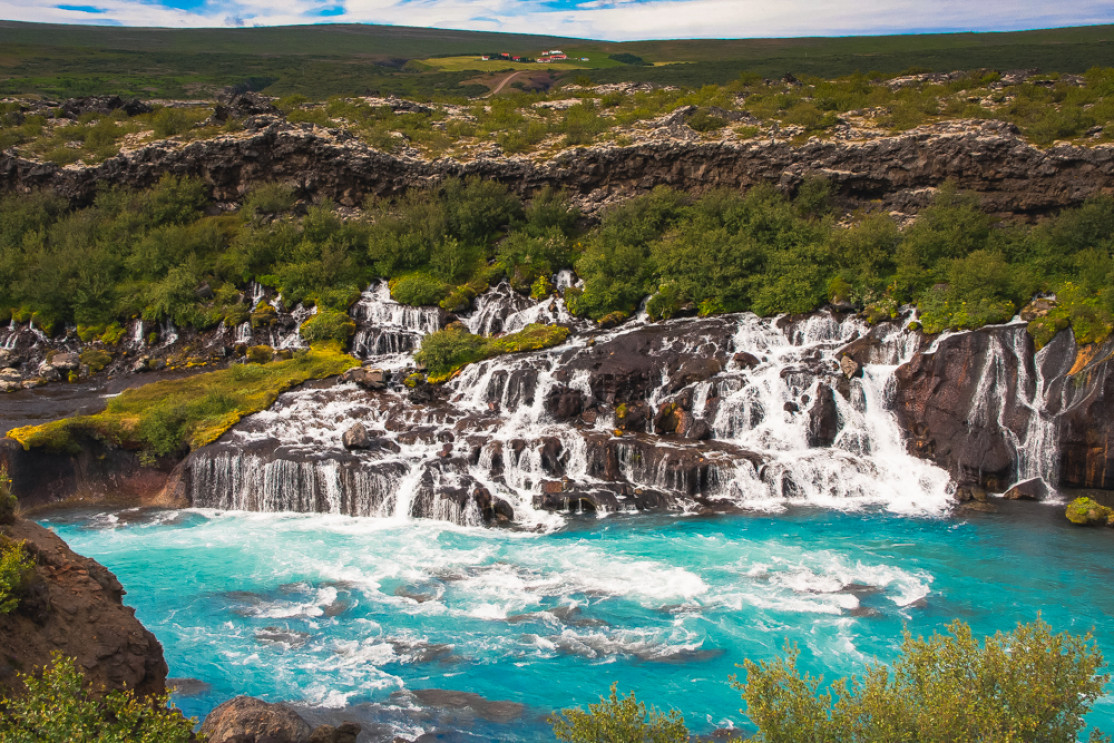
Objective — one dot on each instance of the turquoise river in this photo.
(355, 617)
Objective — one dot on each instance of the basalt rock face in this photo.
(74, 606)
(987, 158)
(992, 411)
(95, 472)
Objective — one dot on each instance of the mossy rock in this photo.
(417, 379)
(95, 359)
(459, 299)
(1086, 512)
(112, 334)
(263, 315)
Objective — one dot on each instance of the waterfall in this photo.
(385, 328)
(691, 414)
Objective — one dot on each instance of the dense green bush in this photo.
(419, 289)
(619, 719)
(329, 325)
(16, 571)
(1025, 685)
(8, 502)
(59, 706)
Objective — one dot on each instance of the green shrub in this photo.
(1025, 685)
(704, 121)
(328, 325)
(449, 349)
(418, 289)
(263, 316)
(268, 200)
(8, 501)
(619, 719)
(16, 571)
(59, 706)
(453, 347)
(459, 299)
(260, 354)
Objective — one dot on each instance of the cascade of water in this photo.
(785, 425)
(386, 328)
(244, 334)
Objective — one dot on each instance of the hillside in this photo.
(325, 60)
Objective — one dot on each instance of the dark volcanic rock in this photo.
(958, 404)
(823, 418)
(357, 437)
(988, 158)
(74, 607)
(1032, 489)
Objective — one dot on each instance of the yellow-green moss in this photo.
(449, 350)
(95, 359)
(113, 333)
(1086, 512)
(171, 415)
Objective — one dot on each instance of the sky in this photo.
(619, 20)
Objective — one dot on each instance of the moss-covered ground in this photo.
(172, 416)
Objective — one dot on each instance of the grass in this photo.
(323, 60)
(170, 416)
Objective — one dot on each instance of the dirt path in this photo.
(503, 83)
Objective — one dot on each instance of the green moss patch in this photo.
(1086, 512)
(174, 415)
(452, 348)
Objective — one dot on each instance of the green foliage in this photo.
(1025, 685)
(419, 289)
(60, 706)
(1086, 512)
(170, 416)
(329, 325)
(8, 502)
(704, 121)
(16, 571)
(96, 359)
(268, 200)
(627, 58)
(619, 719)
(453, 347)
(259, 354)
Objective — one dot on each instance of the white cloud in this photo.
(602, 19)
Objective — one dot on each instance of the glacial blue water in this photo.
(345, 613)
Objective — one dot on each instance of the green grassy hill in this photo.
(323, 60)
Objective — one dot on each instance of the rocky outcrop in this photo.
(94, 470)
(74, 606)
(249, 720)
(991, 410)
(987, 158)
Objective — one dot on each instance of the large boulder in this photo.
(357, 437)
(249, 720)
(74, 606)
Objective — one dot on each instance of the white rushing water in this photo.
(493, 442)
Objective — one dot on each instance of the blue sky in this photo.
(601, 19)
